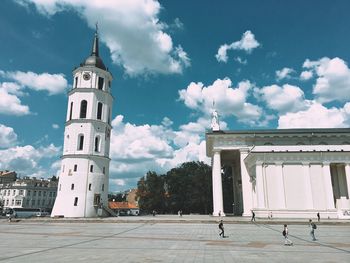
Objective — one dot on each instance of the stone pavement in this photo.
(169, 239)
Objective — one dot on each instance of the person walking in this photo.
(287, 241)
(253, 216)
(312, 229)
(318, 217)
(221, 227)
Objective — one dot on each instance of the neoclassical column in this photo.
(328, 186)
(217, 184)
(309, 203)
(247, 187)
(282, 188)
(260, 185)
(347, 174)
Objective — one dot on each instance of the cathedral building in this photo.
(284, 173)
(83, 180)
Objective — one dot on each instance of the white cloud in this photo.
(241, 61)
(131, 30)
(317, 116)
(136, 149)
(333, 79)
(55, 126)
(229, 101)
(52, 83)
(8, 137)
(284, 73)
(287, 98)
(26, 160)
(306, 75)
(10, 104)
(246, 43)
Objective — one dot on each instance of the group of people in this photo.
(287, 241)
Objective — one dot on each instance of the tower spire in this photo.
(94, 51)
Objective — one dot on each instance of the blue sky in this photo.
(266, 64)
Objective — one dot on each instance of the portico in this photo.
(289, 173)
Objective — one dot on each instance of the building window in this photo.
(103, 187)
(89, 187)
(18, 202)
(8, 192)
(75, 167)
(75, 201)
(34, 193)
(109, 116)
(7, 202)
(100, 83)
(33, 202)
(72, 187)
(76, 82)
(44, 193)
(91, 168)
(71, 111)
(39, 193)
(27, 202)
(28, 192)
(83, 108)
(14, 192)
(99, 110)
(104, 170)
(80, 142)
(97, 144)
(13, 202)
(20, 192)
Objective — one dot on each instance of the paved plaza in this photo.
(162, 239)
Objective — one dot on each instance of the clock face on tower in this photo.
(86, 76)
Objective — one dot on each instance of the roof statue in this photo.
(215, 125)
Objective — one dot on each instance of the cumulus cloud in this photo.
(136, 149)
(8, 137)
(131, 30)
(52, 83)
(316, 116)
(246, 43)
(286, 98)
(284, 73)
(229, 101)
(333, 79)
(306, 75)
(26, 160)
(10, 104)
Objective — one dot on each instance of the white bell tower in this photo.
(83, 181)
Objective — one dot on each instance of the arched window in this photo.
(100, 83)
(75, 201)
(71, 111)
(76, 82)
(83, 108)
(80, 142)
(109, 115)
(99, 111)
(97, 144)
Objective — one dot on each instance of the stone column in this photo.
(260, 185)
(347, 174)
(246, 185)
(282, 188)
(217, 185)
(327, 180)
(309, 203)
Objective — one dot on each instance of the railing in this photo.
(110, 211)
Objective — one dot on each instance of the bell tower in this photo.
(83, 181)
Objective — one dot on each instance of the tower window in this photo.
(91, 168)
(71, 111)
(89, 187)
(100, 83)
(83, 108)
(97, 143)
(80, 142)
(103, 187)
(75, 167)
(109, 116)
(72, 187)
(99, 111)
(76, 82)
(75, 201)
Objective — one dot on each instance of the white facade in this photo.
(83, 181)
(29, 193)
(286, 173)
